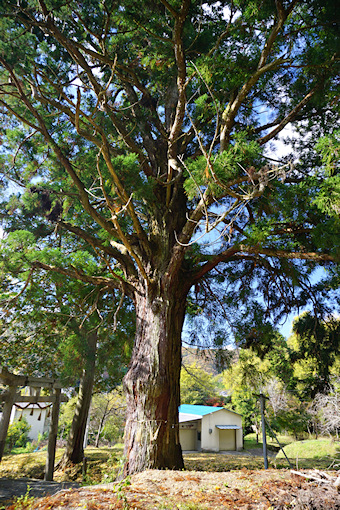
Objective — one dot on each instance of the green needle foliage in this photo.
(315, 348)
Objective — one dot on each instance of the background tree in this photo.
(107, 417)
(287, 374)
(242, 380)
(314, 350)
(327, 409)
(140, 133)
(270, 374)
(328, 198)
(58, 327)
(294, 418)
(198, 387)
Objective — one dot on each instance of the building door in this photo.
(227, 439)
(187, 438)
(199, 440)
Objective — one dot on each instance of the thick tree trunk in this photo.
(74, 452)
(152, 383)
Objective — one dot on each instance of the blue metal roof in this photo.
(198, 410)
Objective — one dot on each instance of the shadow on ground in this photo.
(10, 488)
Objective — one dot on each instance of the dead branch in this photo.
(321, 477)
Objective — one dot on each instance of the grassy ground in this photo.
(250, 441)
(314, 453)
(103, 464)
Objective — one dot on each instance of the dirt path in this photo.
(10, 488)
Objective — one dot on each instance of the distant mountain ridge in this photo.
(213, 361)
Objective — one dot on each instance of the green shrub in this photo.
(17, 434)
(113, 430)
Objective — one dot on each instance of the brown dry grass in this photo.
(170, 490)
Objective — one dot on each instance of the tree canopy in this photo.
(199, 387)
(314, 351)
(137, 130)
(43, 330)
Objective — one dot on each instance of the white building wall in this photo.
(210, 434)
(37, 426)
(188, 435)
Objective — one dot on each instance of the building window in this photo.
(198, 436)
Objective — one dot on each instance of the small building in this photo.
(206, 428)
(36, 415)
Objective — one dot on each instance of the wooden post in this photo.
(6, 415)
(264, 439)
(52, 438)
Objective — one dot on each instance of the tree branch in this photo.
(82, 190)
(237, 251)
(116, 250)
(116, 283)
(292, 114)
(229, 114)
(283, 254)
(170, 8)
(181, 86)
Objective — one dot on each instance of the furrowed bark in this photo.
(152, 382)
